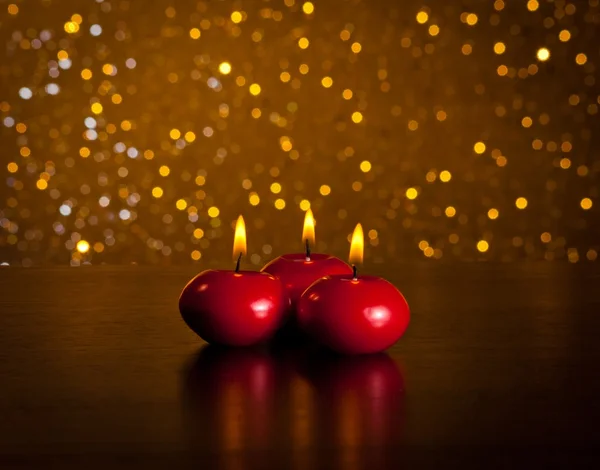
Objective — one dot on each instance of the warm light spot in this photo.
(225, 68)
(213, 211)
(83, 246)
(592, 255)
(325, 190)
(96, 108)
(429, 252)
(466, 49)
(411, 193)
(434, 30)
(479, 147)
(501, 161)
(71, 27)
(445, 176)
(565, 163)
(564, 35)
(279, 204)
(236, 17)
(189, 136)
(581, 59)
(157, 192)
(239, 238)
(116, 98)
(308, 8)
(327, 82)
(305, 204)
(357, 245)
(108, 69)
(41, 184)
(356, 47)
(181, 204)
(198, 233)
(483, 246)
(126, 125)
(502, 70)
(526, 122)
(12, 167)
(255, 89)
(472, 19)
(347, 94)
(303, 69)
(546, 237)
(86, 74)
(275, 188)
(499, 48)
(303, 43)
(586, 203)
(533, 5)
(256, 113)
(365, 166)
(422, 17)
(13, 9)
(521, 203)
(175, 134)
(285, 77)
(164, 170)
(254, 199)
(196, 255)
(543, 54)
(357, 117)
(493, 213)
(450, 211)
(195, 33)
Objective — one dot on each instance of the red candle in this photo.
(299, 270)
(354, 314)
(234, 308)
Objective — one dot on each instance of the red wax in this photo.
(233, 308)
(353, 316)
(297, 273)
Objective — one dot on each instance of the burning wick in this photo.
(307, 250)
(354, 275)
(237, 265)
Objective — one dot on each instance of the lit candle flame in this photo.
(239, 240)
(357, 246)
(308, 233)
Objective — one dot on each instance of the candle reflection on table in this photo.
(293, 409)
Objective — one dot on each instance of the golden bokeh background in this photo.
(137, 131)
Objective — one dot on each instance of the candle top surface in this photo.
(301, 257)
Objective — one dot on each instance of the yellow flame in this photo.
(357, 245)
(308, 233)
(239, 239)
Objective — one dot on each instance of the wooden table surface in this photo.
(500, 369)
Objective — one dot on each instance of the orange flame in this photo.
(239, 239)
(308, 233)
(357, 246)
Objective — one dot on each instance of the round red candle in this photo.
(354, 314)
(233, 308)
(299, 270)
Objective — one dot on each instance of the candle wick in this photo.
(237, 265)
(354, 272)
(307, 250)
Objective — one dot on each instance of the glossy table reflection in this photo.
(499, 369)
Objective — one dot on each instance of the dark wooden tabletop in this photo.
(500, 368)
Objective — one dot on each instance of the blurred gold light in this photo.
(308, 230)
(356, 47)
(96, 108)
(308, 8)
(175, 134)
(327, 82)
(305, 204)
(181, 204)
(586, 203)
(41, 184)
(275, 188)
(365, 166)
(164, 170)
(13, 9)
(255, 89)
(479, 148)
(411, 193)
(422, 17)
(472, 19)
(445, 176)
(450, 211)
(239, 239)
(543, 54)
(254, 199)
(196, 255)
(533, 5)
(521, 203)
(483, 246)
(236, 17)
(195, 33)
(499, 48)
(83, 246)
(71, 27)
(157, 192)
(434, 30)
(357, 245)
(347, 94)
(564, 35)
(12, 167)
(357, 117)
(493, 213)
(325, 190)
(546, 237)
(189, 136)
(581, 59)
(198, 233)
(213, 212)
(303, 43)
(279, 204)
(225, 68)
(86, 74)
